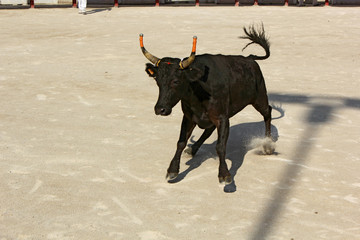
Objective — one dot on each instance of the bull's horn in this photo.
(185, 63)
(148, 55)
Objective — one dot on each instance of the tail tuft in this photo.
(257, 36)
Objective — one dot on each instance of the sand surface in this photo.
(83, 156)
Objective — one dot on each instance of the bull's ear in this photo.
(151, 70)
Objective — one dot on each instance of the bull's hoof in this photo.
(227, 180)
(188, 151)
(268, 149)
(269, 146)
(171, 176)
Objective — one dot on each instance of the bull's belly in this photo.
(236, 109)
(203, 121)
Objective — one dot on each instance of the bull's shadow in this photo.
(239, 143)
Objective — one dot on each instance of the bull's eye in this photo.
(175, 82)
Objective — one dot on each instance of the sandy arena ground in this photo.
(83, 156)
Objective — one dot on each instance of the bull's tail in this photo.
(257, 36)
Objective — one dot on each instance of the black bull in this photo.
(212, 89)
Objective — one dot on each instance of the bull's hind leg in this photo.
(187, 127)
(195, 147)
(265, 110)
(223, 134)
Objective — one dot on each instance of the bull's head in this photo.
(169, 76)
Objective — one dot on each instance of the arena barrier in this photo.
(118, 3)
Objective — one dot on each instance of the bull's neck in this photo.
(195, 97)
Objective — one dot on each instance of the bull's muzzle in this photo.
(162, 111)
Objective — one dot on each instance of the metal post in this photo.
(116, 3)
(32, 5)
(197, 3)
(326, 2)
(157, 4)
(74, 4)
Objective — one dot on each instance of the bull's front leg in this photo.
(195, 147)
(223, 134)
(187, 126)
